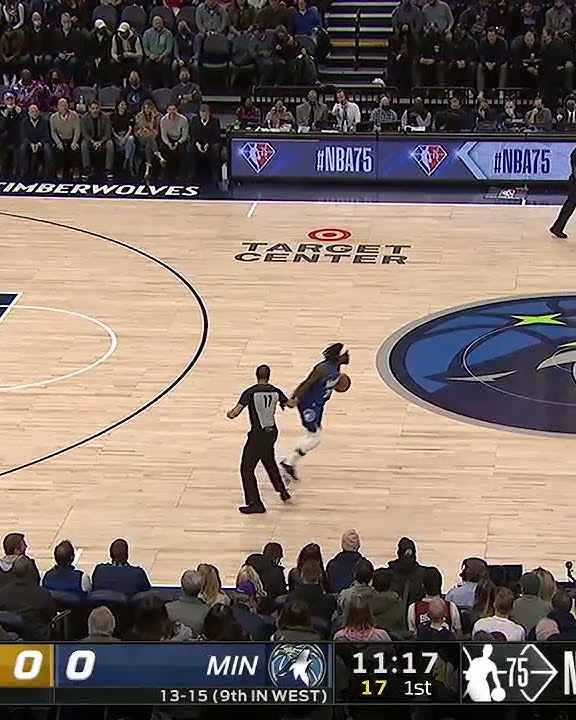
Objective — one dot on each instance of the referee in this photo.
(569, 204)
(262, 400)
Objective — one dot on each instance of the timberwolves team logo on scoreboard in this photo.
(257, 154)
(507, 363)
(429, 157)
(297, 666)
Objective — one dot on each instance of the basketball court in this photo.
(129, 328)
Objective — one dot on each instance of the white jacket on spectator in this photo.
(347, 116)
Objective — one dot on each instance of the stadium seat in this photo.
(106, 13)
(108, 96)
(15, 624)
(307, 42)
(161, 98)
(85, 91)
(242, 58)
(188, 13)
(135, 17)
(215, 56)
(165, 13)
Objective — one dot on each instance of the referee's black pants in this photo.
(259, 447)
(567, 209)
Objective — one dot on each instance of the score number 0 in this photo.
(80, 665)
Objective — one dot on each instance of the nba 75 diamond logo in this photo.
(429, 157)
(257, 154)
(505, 672)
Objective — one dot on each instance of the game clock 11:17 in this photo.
(397, 673)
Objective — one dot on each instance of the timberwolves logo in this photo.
(297, 666)
(507, 363)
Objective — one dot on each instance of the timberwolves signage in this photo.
(327, 245)
(93, 189)
(507, 363)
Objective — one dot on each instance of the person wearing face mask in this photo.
(69, 46)
(37, 44)
(383, 117)
(135, 93)
(35, 143)
(566, 114)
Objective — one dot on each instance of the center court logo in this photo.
(257, 154)
(508, 363)
(297, 666)
(429, 157)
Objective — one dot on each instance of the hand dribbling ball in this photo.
(343, 384)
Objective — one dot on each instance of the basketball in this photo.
(343, 383)
(498, 694)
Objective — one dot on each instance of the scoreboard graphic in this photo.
(198, 673)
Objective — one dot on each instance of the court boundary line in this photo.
(113, 344)
(17, 296)
(195, 357)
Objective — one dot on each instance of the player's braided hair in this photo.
(333, 352)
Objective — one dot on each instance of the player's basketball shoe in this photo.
(289, 472)
(253, 509)
(285, 495)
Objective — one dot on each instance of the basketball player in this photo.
(311, 396)
(262, 400)
(569, 204)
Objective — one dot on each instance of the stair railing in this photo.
(357, 39)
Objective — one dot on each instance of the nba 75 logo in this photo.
(257, 154)
(429, 157)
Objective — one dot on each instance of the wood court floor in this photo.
(167, 479)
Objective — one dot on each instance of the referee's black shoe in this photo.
(284, 495)
(559, 233)
(252, 509)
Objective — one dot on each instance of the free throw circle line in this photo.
(41, 383)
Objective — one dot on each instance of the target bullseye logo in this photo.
(331, 235)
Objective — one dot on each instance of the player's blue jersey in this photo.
(321, 391)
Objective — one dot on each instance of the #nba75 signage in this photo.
(417, 158)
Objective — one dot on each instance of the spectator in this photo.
(122, 122)
(484, 596)
(64, 577)
(184, 43)
(158, 46)
(416, 116)
(96, 131)
(127, 53)
(510, 118)
(119, 575)
(528, 609)
(35, 142)
(305, 18)
(244, 609)
(68, 44)
(347, 116)
(189, 609)
(210, 20)
(248, 114)
(269, 568)
(407, 571)
(383, 117)
(23, 597)
(547, 629)
(273, 14)
(525, 58)
(37, 45)
(152, 623)
(220, 625)
(57, 88)
(432, 49)
(363, 574)
(493, 57)
(437, 13)
(547, 584)
(13, 14)
(406, 13)
(341, 567)
(312, 114)
(502, 15)
(530, 17)
(437, 627)
(174, 130)
(299, 67)
(418, 611)
(311, 551)
(359, 624)
(566, 113)
(462, 58)
(454, 118)
(559, 18)
(402, 59)
(248, 574)
(28, 91)
(186, 94)
(100, 43)
(211, 592)
(556, 70)
(295, 624)
(500, 621)
(135, 93)
(475, 19)
(279, 117)
(101, 626)
(561, 614)
(11, 54)
(270, 68)
(387, 608)
(10, 118)
(205, 134)
(14, 545)
(310, 591)
(241, 18)
(78, 13)
(463, 593)
(540, 117)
